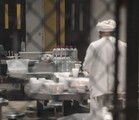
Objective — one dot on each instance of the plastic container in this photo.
(17, 65)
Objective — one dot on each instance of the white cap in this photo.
(106, 25)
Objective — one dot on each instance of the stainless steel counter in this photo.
(65, 98)
(59, 96)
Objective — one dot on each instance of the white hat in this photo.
(106, 25)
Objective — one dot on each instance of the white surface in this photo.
(79, 83)
(43, 85)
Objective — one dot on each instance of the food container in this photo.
(17, 67)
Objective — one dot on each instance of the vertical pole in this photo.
(116, 82)
(132, 60)
(6, 16)
(58, 22)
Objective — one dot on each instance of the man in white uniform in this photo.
(99, 63)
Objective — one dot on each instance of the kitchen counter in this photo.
(59, 96)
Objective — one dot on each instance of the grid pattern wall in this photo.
(49, 25)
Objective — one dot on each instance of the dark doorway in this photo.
(11, 36)
(77, 25)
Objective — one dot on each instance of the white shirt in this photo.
(99, 63)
